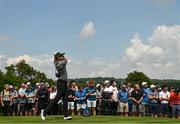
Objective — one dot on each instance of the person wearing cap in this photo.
(60, 62)
(164, 97)
(98, 98)
(153, 101)
(106, 98)
(123, 97)
(30, 95)
(5, 100)
(91, 97)
(175, 103)
(145, 102)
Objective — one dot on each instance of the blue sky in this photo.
(39, 27)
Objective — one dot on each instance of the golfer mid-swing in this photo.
(62, 90)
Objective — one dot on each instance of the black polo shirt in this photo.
(137, 94)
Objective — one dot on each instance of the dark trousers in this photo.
(113, 106)
(62, 92)
(6, 108)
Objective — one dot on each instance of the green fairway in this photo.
(80, 119)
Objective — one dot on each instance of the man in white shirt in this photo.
(164, 97)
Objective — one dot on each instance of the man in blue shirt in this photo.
(30, 95)
(80, 97)
(123, 97)
(145, 102)
(91, 97)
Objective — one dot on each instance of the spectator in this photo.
(30, 95)
(80, 97)
(43, 97)
(164, 96)
(123, 100)
(114, 97)
(14, 100)
(22, 99)
(130, 101)
(153, 101)
(137, 97)
(5, 100)
(52, 95)
(106, 98)
(91, 97)
(71, 97)
(145, 101)
(175, 103)
(98, 98)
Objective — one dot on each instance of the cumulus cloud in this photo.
(140, 51)
(160, 56)
(4, 37)
(42, 63)
(88, 30)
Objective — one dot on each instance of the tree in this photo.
(137, 77)
(2, 79)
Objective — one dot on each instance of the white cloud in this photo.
(139, 51)
(88, 30)
(160, 56)
(4, 37)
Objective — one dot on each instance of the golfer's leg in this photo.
(65, 100)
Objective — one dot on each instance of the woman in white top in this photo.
(114, 97)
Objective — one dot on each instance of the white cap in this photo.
(10, 86)
(106, 81)
(152, 86)
(144, 83)
(97, 85)
(28, 83)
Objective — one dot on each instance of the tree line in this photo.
(15, 74)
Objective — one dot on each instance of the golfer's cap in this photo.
(144, 83)
(59, 54)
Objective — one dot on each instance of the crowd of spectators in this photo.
(105, 98)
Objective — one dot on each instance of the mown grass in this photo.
(97, 119)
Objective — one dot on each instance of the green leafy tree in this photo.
(137, 77)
